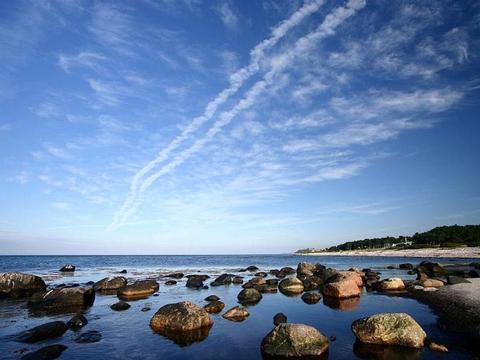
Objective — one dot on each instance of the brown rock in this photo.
(291, 286)
(62, 298)
(237, 313)
(341, 289)
(180, 317)
(139, 289)
(114, 283)
(437, 347)
(391, 284)
(214, 307)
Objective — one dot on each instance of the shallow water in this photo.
(127, 335)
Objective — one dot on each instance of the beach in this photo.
(462, 252)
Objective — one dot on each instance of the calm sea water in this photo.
(127, 335)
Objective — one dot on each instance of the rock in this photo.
(212, 298)
(146, 308)
(343, 289)
(91, 336)
(430, 269)
(170, 282)
(257, 281)
(311, 297)
(202, 277)
(120, 306)
(287, 270)
(389, 329)
(312, 282)
(45, 353)
(261, 274)
(273, 272)
(252, 268)
(348, 304)
(279, 318)
(432, 283)
(272, 282)
(294, 340)
(177, 275)
(17, 285)
(347, 275)
(306, 269)
(249, 296)
(139, 289)
(42, 332)
(122, 271)
(280, 275)
(57, 299)
(237, 280)
(224, 279)
(110, 283)
(77, 322)
(180, 317)
(68, 268)
(390, 267)
(214, 307)
(266, 288)
(452, 280)
(291, 286)
(437, 347)
(237, 313)
(405, 266)
(194, 283)
(391, 284)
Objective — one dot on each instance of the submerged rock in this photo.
(68, 268)
(389, 329)
(294, 340)
(237, 313)
(279, 318)
(139, 289)
(214, 307)
(91, 336)
(120, 306)
(77, 322)
(46, 353)
(180, 317)
(110, 283)
(42, 332)
(17, 285)
(57, 299)
(291, 286)
(311, 297)
(249, 296)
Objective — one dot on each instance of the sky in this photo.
(204, 127)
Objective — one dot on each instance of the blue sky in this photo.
(152, 127)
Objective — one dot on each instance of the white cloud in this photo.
(227, 14)
(85, 59)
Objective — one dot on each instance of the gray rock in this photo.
(46, 331)
(110, 283)
(57, 299)
(17, 285)
(120, 306)
(68, 268)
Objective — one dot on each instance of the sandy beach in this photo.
(464, 252)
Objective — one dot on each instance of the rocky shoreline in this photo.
(453, 291)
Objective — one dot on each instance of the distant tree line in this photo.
(442, 236)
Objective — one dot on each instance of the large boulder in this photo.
(139, 289)
(180, 317)
(305, 268)
(110, 283)
(196, 281)
(68, 268)
(42, 332)
(294, 341)
(237, 313)
(45, 353)
(347, 275)
(342, 289)
(16, 285)
(389, 329)
(291, 286)
(62, 298)
(392, 284)
(249, 296)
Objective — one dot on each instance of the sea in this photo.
(127, 335)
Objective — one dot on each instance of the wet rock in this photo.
(196, 281)
(57, 299)
(237, 280)
(261, 274)
(42, 332)
(273, 272)
(176, 275)
(333, 338)
(432, 283)
(252, 268)
(120, 306)
(180, 317)
(347, 275)
(452, 280)
(139, 289)
(214, 307)
(294, 340)
(341, 289)
(122, 271)
(312, 282)
(272, 281)
(77, 322)
(390, 267)
(17, 285)
(391, 284)
(170, 282)
(287, 270)
(45, 353)
(237, 313)
(224, 279)
(279, 318)
(110, 283)
(311, 297)
(91, 336)
(68, 268)
(266, 288)
(291, 286)
(389, 329)
(437, 347)
(306, 269)
(249, 296)
(146, 308)
(212, 298)
(406, 266)
(430, 269)
(280, 275)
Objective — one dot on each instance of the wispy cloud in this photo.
(85, 59)
(228, 15)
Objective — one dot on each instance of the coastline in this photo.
(464, 252)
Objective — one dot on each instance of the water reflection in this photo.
(185, 338)
(382, 352)
(342, 304)
(324, 356)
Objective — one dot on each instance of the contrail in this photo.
(303, 45)
(237, 79)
